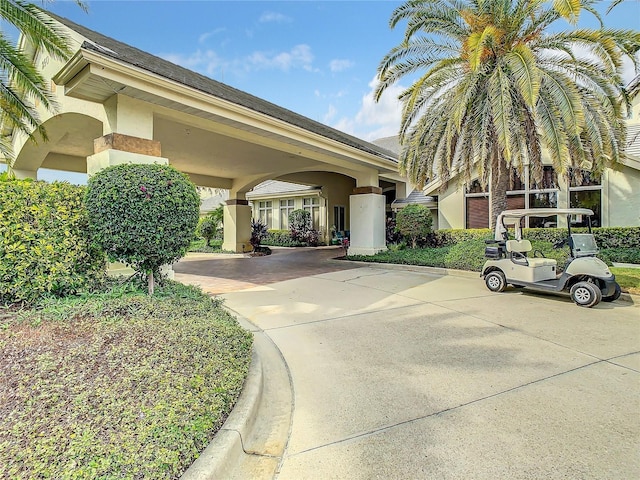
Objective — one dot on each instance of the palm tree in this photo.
(21, 86)
(496, 86)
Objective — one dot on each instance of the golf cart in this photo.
(512, 261)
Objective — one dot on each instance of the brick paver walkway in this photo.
(217, 274)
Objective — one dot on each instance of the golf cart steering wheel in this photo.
(538, 254)
(560, 243)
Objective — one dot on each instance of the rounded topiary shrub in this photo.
(45, 247)
(143, 215)
(414, 222)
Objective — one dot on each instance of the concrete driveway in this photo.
(399, 374)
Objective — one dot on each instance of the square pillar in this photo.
(23, 174)
(237, 226)
(368, 222)
(115, 149)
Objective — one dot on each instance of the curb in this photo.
(224, 452)
(253, 439)
(624, 297)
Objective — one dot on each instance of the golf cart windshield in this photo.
(583, 244)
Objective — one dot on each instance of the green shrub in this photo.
(441, 238)
(301, 228)
(299, 224)
(620, 255)
(414, 222)
(210, 226)
(433, 257)
(466, 255)
(606, 237)
(143, 215)
(617, 237)
(44, 242)
(118, 385)
(281, 238)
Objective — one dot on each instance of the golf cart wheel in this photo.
(614, 297)
(495, 281)
(585, 294)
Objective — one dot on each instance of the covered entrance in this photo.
(119, 104)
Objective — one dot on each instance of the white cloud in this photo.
(340, 65)
(210, 63)
(205, 36)
(299, 56)
(205, 61)
(374, 119)
(269, 17)
(326, 119)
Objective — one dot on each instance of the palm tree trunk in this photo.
(499, 187)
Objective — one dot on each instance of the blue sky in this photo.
(317, 58)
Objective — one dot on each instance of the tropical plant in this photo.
(300, 224)
(143, 215)
(258, 233)
(413, 222)
(21, 85)
(210, 226)
(498, 84)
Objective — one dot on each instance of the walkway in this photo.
(222, 273)
(406, 375)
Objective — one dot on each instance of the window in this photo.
(585, 191)
(524, 192)
(544, 194)
(286, 207)
(265, 213)
(549, 180)
(543, 200)
(338, 218)
(312, 205)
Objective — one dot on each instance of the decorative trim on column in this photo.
(127, 143)
(366, 190)
(236, 201)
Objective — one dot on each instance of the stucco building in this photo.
(119, 104)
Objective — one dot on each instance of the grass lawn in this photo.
(628, 279)
(116, 385)
(200, 246)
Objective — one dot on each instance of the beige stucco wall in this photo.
(621, 197)
(451, 207)
(336, 190)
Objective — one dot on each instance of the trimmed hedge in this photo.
(606, 237)
(44, 242)
(468, 253)
(281, 238)
(414, 222)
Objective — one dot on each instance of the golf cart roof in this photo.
(511, 216)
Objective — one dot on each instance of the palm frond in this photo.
(522, 63)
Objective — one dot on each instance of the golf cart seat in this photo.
(518, 250)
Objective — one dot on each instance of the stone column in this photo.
(237, 226)
(117, 148)
(24, 174)
(367, 210)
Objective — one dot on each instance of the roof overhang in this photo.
(94, 76)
